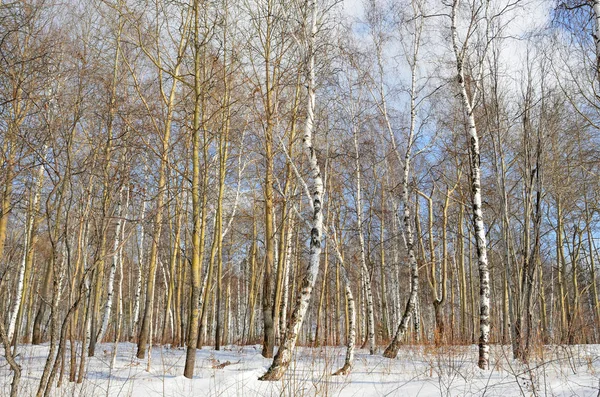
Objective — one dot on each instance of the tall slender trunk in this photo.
(223, 153)
(119, 311)
(462, 274)
(392, 350)
(206, 291)
(270, 71)
(596, 35)
(174, 270)
(318, 329)
(55, 268)
(113, 268)
(286, 216)
(350, 307)
(562, 270)
(284, 354)
(478, 225)
(9, 175)
(86, 325)
(407, 236)
(365, 273)
(252, 288)
(574, 310)
(140, 266)
(198, 206)
(286, 276)
(385, 334)
(439, 301)
(30, 240)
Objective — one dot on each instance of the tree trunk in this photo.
(284, 354)
(198, 219)
(351, 338)
(113, 267)
(480, 237)
(25, 268)
(365, 274)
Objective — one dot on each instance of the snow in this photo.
(418, 371)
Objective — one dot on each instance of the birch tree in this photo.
(460, 49)
(283, 357)
(351, 337)
(405, 162)
(201, 30)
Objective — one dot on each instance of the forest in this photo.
(368, 176)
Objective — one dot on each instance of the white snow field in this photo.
(418, 371)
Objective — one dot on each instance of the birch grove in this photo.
(203, 175)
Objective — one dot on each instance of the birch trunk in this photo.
(270, 109)
(140, 266)
(223, 153)
(411, 305)
(479, 227)
(119, 312)
(596, 8)
(28, 250)
(87, 331)
(198, 207)
(286, 276)
(382, 269)
(281, 284)
(57, 280)
(350, 306)
(392, 350)
(113, 268)
(508, 315)
(252, 287)
(284, 354)
(365, 274)
(562, 270)
(172, 314)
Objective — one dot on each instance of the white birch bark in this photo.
(286, 276)
(204, 318)
(396, 276)
(113, 268)
(20, 280)
(138, 280)
(27, 248)
(350, 343)
(480, 238)
(411, 305)
(392, 350)
(365, 275)
(284, 354)
(120, 293)
(87, 322)
(240, 172)
(596, 7)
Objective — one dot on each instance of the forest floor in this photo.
(418, 371)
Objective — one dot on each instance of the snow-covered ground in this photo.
(418, 371)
